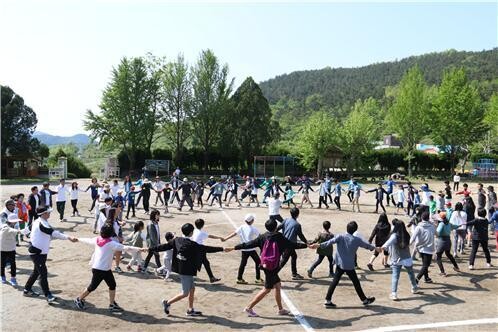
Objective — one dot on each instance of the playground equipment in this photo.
(111, 169)
(486, 169)
(280, 166)
(59, 172)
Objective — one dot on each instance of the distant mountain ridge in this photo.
(78, 139)
(343, 86)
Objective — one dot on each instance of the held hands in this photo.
(72, 239)
(378, 249)
(144, 250)
(228, 249)
(313, 246)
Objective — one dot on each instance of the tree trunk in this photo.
(131, 158)
(319, 167)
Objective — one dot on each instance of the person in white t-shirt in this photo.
(456, 181)
(61, 197)
(158, 186)
(101, 263)
(400, 202)
(274, 205)
(74, 198)
(247, 232)
(200, 236)
(115, 188)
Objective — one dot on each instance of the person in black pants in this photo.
(291, 229)
(347, 246)
(423, 237)
(34, 200)
(153, 239)
(379, 197)
(41, 236)
(328, 252)
(479, 237)
(146, 188)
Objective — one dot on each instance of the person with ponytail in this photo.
(443, 233)
(398, 246)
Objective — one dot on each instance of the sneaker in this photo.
(30, 293)
(443, 274)
(331, 275)
(297, 277)
(13, 282)
(415, 290)
(310, 274)
(471, 267)
(250, 312)
(370, 267)
(241, 282)
(489, 265)
(166, 307)
(259, 281)
(394, 297)
(79, 303)
(4, 280)
(387, 266)
(428, 281)
(214, 280)
(128, 268)
(115, 307)
(456, 269)
(193, 313)
(50, 298)
(283, 312)
(329, 304)
(118, 270)
(369, 300)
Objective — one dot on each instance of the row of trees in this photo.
(151, 99)
(451, 115)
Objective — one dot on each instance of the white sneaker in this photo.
(394, 297)
(415, 290)
(471, 267)
(489, 265)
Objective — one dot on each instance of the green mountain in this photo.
(338, 88)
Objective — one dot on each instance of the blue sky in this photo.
(59, 54)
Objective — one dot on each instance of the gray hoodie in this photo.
(423, 237)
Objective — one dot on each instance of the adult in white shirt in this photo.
(41, 236)
(101, 262)
(459, 218)
(61, 197)
(158, 187)
(274, 205)
(115, 188)
(247, 232)
(456, 181)
(200, 236)
(74, 193)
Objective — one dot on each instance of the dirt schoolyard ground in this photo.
(467, 295)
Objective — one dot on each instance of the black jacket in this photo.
(32, 204)
(43, 198)
(187, 254)
(381, 234)
(480, 229)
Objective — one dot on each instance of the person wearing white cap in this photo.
(8, 233)
(247, 232)
(41, 236)
(158, 187)
(10, 208)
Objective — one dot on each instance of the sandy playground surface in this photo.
(460, 296)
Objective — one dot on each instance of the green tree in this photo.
(18, 124)
(129, 113)
(211, 90)
(317, 136)
(407, 116)
(357, 134)
(251, 123)
(177, 86)
(457, 115)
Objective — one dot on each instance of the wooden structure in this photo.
(20, 166)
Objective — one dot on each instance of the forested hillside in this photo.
(339, 88)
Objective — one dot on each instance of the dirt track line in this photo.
(434, 325)
(293, 309)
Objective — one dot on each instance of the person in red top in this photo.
(22, 213)
(465, 190)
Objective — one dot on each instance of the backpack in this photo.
(270, 256)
